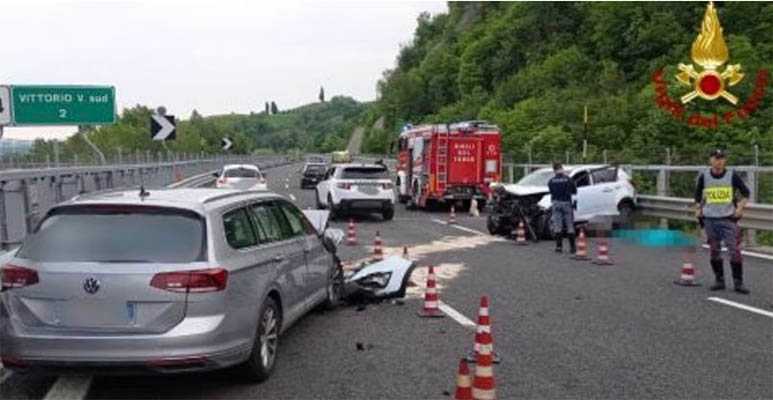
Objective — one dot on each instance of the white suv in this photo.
(602, 191)
(357, 187)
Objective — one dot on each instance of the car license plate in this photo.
(368, 189)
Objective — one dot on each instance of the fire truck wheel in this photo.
(388, 213)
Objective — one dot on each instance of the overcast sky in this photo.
(214, 56)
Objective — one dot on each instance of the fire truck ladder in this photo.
(442, 161)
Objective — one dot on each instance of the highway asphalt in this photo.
(563, 328)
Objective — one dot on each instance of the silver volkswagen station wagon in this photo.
(171, 280)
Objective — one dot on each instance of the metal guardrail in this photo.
(26, 194)
(756, 216)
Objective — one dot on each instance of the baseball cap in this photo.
(717, 153)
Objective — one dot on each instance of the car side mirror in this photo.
(332, 238)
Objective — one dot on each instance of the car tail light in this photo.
(387, 185)
(196, 281)
(221, 181)
(15, 277)
(342, 185)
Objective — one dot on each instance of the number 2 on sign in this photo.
(62, 113)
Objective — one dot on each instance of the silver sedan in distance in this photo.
(240, 176)
(166, 281)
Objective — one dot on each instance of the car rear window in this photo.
(315, 168)
(364, 173)
(118, 234)
(242, 173)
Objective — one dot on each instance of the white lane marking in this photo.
(70, 387)
(4, 375)
(741, 306)
(748, 253)
(456, 315)
(461, 228)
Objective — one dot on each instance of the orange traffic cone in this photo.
(431, 307)
(483, 326)
(602, 256)
(687, 277)
(351, 234)
(378, 252)
(452, 216)
(582, 247)
(463, 383)
(520, 235)
(483, 386)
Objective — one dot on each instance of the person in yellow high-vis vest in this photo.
(720, 197)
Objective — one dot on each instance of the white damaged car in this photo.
(602, 191)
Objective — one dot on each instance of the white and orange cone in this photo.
(687, 275)
(463, 382)
(582, 247)
(378, 251)
(520, 235)
(351, 234)
(483, 385)
(483, 326)
(452, 216)
(602, 255)
(431, 308)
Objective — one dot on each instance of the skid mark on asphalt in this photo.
(741, 306)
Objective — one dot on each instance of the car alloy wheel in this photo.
(269, 338)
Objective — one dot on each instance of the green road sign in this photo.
(62, 105)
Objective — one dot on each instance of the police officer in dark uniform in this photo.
(562, 189)
(720, 197)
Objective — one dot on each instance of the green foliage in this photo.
(533, 67)
(320, 127)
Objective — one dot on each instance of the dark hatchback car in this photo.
(311, 174)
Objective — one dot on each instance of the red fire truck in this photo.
(448, 163)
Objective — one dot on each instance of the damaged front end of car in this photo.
(511, 205)
(369, 281)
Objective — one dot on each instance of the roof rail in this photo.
(222, 196)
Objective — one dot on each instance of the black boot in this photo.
(572, 243)
(737, 270)
(559, 243)
(719, 274)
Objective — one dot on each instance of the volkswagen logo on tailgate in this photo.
(91, 285)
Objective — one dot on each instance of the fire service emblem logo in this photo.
(710, 52)
(709, 81)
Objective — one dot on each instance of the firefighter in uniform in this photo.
(720, 197)
(562, 190)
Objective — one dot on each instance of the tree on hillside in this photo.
(321, 94)
(274, 108)
(268, 108)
